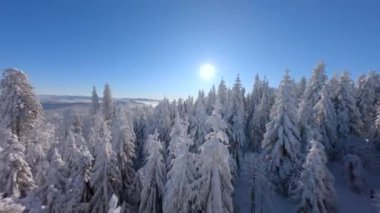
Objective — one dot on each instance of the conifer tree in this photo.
(281, 141)
(16, 179)
(237, 122)
(306, 112)
(153, 179)
(326, 120)
(348, 115)
(20, 108)
(211, 100)
(95, 105)
(123, 144)
(106, 177)
(107, 105)
(199, 128)
(215, 194)
(315, 190)
(368, 96)
(178, 191)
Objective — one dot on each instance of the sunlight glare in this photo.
(207, 71)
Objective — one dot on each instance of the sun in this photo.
(207, 72)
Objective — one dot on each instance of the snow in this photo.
(202, 174)
(274, 202)
(347, 200)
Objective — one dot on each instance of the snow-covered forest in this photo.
(311, 145)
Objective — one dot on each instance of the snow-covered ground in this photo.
(347, 200)
(273, 202)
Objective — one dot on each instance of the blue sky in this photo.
(155, 48)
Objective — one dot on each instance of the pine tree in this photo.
(348, 115)
(222, 96)
(237, 122)
(369, 92)
(163, 121)
(16, 179)
(260, 116)
(315, 191)
(211, 100)
(181, 171)
(95, 105)
(78, 189)
(258, 109)
(377, 124)
(20, 108)
(215, 194)
(153, 179)
(107, 105)
(123, 143)
(326, 120)
(52, 190)
(281, 141)
(199, 128)
(181, 108)
(106, 177)
(301, 87)
(306, 112)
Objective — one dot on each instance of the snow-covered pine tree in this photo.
(215, 194)
(260, 117)
(106, 177)
(107, 105)
(178, 192)
(255, 95)
(79, 161)
(37, 146)
(301, 87)
(123, 144)
(315, 190)
(153, 178)
(95, 105)
(20, 108)
(222, 96)
(163, 122)
(281, 142)
(261, 188)
(369, 93)
(348, 115)
(189, 105)
(142, 126)
(16, 179)
(199, 128)
(377, 126)
(237, 122)
(258, 106)
(326, 120)
(211, 99)
(181, 108)
(52, 190)
(306, 113)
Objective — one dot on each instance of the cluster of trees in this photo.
(184, 155)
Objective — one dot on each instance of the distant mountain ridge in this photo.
(50, 102)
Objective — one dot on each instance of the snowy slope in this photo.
(273, 202)
(347, 200)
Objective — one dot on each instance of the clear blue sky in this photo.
(155, 48)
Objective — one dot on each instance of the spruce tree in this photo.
(281, 142)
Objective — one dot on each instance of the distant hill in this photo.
(52, 102)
